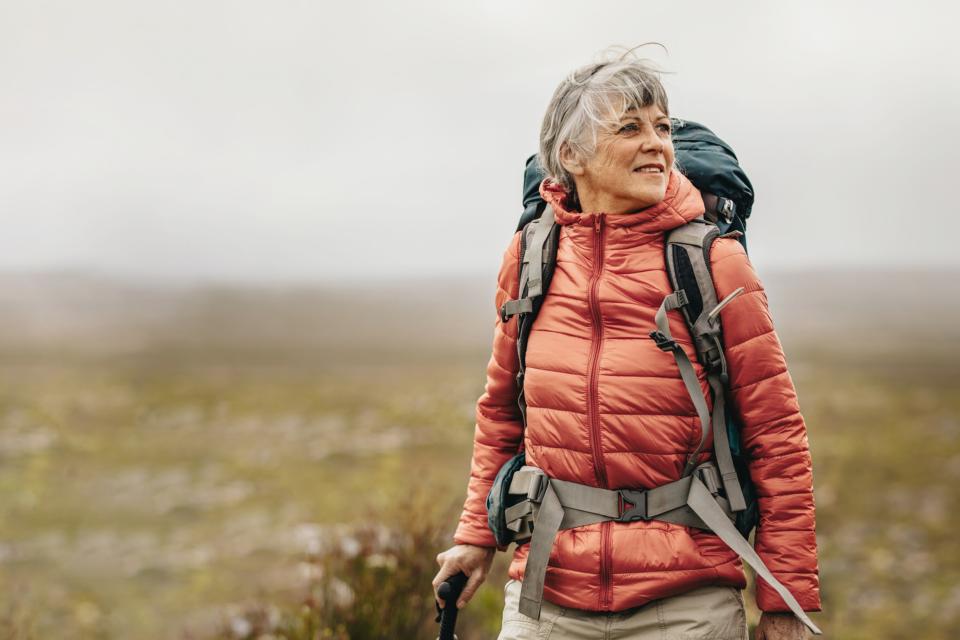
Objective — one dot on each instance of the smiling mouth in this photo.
(654, 169)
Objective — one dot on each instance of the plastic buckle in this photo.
(726, 208)
(537, 488)
(638, 505)
(719, 364)
(519, 307)
(709, 475)
(663, 342)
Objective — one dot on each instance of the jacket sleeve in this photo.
(499, 425)
(773, 431)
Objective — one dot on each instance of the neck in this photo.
(591, 202)
(596, 201)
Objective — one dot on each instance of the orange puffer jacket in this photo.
(607, 408)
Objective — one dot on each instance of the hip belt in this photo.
(549, 505)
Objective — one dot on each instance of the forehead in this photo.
(652, 111)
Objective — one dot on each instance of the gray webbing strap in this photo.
(721, 446)
(688, 374)
(706, 507)
(547, 524)
(694, 233)
(728, 473)
(585, 504)
(593, 504)
(513, 307)
(534, 250)
(565, 505)
(515, 514)
(534, 253)
(694, 240)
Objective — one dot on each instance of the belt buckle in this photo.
(537, 488)
(637, 499)
(710, 477)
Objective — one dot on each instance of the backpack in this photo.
(712, 167)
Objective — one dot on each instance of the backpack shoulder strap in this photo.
(538, 258)
(688, 267)
(538, 242)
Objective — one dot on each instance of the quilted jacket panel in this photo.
(607, 408)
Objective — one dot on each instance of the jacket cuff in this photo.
(804, 587)
(478, 538)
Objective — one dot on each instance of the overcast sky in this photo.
(239, 140)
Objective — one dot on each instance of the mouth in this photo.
(653, 168)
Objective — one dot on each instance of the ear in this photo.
(570, 160)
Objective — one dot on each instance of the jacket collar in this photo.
(681, 204)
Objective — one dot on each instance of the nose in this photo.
(651, 141)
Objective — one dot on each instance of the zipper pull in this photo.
(598, 222)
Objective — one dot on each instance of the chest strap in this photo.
(550, 505)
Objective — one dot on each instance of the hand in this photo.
(474, 561)
(780, 626)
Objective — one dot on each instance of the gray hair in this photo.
(587, 100)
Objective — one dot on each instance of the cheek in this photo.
(669, 154)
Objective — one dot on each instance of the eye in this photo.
(631, 127)
(664, 127)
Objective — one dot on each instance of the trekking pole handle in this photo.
(449, 591)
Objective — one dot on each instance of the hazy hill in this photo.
(84, 313)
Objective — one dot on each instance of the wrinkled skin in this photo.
(780, 626)
(609, 180)
(474, 561)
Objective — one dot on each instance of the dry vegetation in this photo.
(243, 463)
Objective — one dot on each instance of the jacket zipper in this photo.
(593, 403)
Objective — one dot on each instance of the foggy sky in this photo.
(241, 140)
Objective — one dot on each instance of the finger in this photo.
(451, 566)
(473, 583)
(439, 579)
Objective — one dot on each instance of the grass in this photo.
(214, 493)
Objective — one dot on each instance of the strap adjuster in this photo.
(663, 342)
(726, 208)
(637, 501)
(537, 488)
(720, 365)
(512, 308)
(708, 474)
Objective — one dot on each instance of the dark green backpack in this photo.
(712, 167)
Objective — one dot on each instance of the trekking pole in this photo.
(449, 591)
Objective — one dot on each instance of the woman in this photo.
(607, 408)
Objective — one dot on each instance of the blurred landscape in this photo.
(192, 462)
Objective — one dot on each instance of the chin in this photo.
(649, 198)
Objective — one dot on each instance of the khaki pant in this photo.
(712, 612)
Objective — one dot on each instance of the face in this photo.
(631, 166)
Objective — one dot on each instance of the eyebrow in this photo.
(630, 117)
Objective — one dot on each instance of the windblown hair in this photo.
(592, 97)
